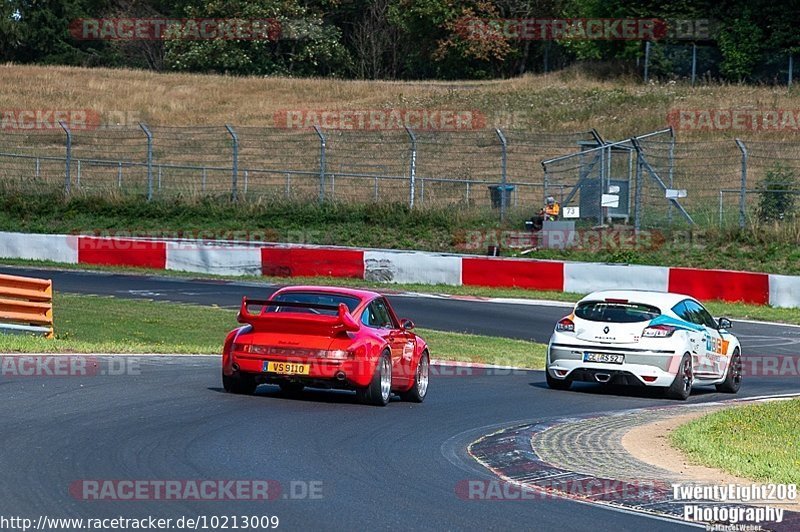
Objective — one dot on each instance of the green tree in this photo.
(440, 43)
(301, 44)
(40, 33)
(741, 43)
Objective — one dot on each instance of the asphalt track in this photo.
(381, 468)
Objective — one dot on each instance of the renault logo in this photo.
(605, 329)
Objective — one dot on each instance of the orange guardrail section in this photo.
(26, 305)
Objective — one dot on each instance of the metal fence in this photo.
(421, 168)
(702, 63)
(663, 183)
(479, 169)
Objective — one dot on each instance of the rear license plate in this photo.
(605, 358)
(287, 368)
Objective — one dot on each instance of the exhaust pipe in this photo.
(602, 377)
(235, 366)
(340, 376)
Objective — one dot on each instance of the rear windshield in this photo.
(616, 312)
(313, 298)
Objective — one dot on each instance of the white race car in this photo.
(644, 338)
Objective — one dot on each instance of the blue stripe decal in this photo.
(680, 324)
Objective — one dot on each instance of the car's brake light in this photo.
(565, 325)
(338, 354)
(658, 331)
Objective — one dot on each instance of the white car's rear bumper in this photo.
(645, 367)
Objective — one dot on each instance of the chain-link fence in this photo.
(704, 63)
(654, 181)
(650, 180)
(421, 168)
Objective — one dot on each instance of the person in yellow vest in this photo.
(551, 209)
(550, 212)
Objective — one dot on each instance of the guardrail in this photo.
(26, 305)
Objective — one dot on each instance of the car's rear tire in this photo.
(419, 389)
(733, 377)
(557, 384)
(681, 387)
(241, 383)
(379, 390)
(291, 388)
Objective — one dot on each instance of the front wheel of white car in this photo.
(681, 387)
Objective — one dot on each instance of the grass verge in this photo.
(93, 324)
(717, 308)
(756, 441)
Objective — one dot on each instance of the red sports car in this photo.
(326, 337)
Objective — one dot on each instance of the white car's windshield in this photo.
(615, 312)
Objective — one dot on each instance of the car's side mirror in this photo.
(724, 323)
(406, 324)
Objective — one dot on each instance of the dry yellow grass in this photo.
(561, 102)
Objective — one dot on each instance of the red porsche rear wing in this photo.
(276, 316)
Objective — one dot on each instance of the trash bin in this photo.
(496, 190)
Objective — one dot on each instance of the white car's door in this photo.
(711, 359)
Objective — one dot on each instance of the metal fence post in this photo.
(646, 61)
(149, 160)
(637, 202)
(603, 188)
(670, 173)
(235, 175)
(68, 158)
(545, 180)
(322, 163)
(503, 175)
(743, 190)
(791, 71)
(694, 62)
(412, 171)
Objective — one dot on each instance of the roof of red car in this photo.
(354, 292)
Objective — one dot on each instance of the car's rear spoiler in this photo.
(298, 322)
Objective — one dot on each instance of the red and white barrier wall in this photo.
(401, 267)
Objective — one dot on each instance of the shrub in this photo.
(777, 193)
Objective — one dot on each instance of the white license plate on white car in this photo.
(604, 358)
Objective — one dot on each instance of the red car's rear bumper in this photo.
(356, 372)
